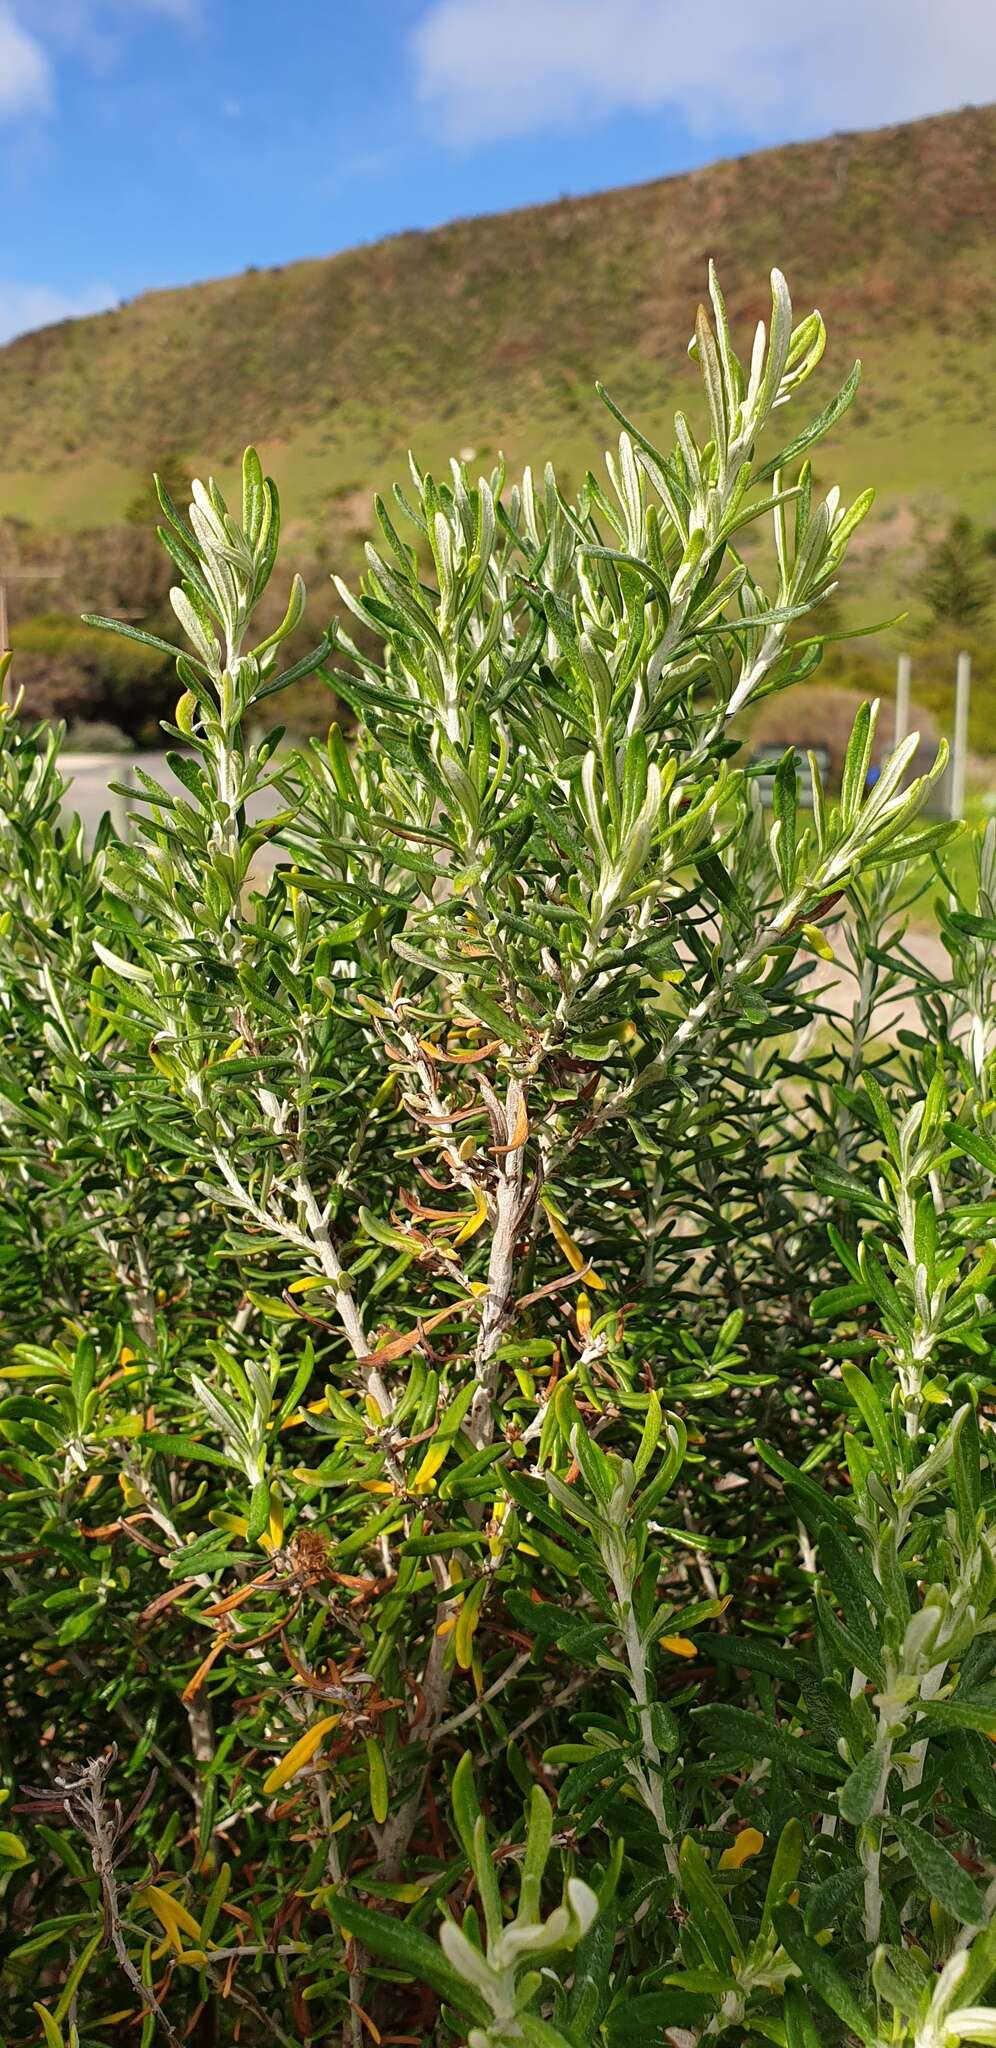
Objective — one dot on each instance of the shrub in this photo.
(64, 668)
(478, 1334)
(958, 577)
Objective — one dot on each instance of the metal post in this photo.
(902, 717)
(963, 685)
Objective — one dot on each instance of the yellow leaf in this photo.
(474, 1221)
(497, 1540)
(425, 1477)
(184, 715)
(574, 1257)
(817, 941)
(300, 1753)
(125, 1355)
(33, 1372)
(233, 1525)
(53, 2037)
(171, 1913)
(679, 1646)
(276, 1523)
(572, 1252)
(748, 1843)
(466, 1623)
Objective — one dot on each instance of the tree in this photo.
(959, 577)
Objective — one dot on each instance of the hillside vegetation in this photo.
(486, 334)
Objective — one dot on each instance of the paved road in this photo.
(90, 777)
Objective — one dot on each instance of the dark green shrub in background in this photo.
(69, 667)
(498, 1467)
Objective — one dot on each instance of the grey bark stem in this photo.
(395, 1835)
(85, 1806)
(501, 1273)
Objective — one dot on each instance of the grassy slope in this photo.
(491, 332)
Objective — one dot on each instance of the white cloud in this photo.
(32, 31)
(488, 69)
(24, 74)
(26, 306)
(76, 19)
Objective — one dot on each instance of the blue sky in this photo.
(155, 142)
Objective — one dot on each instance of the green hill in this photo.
(489, 333)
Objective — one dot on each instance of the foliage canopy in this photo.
(478, 1332)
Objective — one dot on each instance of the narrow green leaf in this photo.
(821, 1975)
(939, 1872)
(404, 1948)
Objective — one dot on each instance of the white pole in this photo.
(963, 685)
(902, 718)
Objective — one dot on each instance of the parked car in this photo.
(764, 761)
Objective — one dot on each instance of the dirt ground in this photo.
(835, 981)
